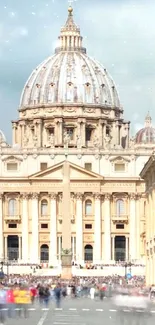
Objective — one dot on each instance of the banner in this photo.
(22, 296)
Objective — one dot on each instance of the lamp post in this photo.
(126, 265)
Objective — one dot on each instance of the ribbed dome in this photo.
(147, 134)
(70, 76)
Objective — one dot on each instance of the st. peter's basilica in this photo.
(71, 178)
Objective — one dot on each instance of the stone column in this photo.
(100, 133)
(73, 247)
(25, 228)
(97, 229)
(38, 131)
(107, 228)
(35, 230)
(1, 227)
(137, 225)
(60, 133)
(20, 247)
(83, 133)
(132, 244)
(59, 248)
(79, 228)
(127, 248)
(53, 230)
(6, 247)
(113, 248)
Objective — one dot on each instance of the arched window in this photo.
(12, 207)
(88, 207)
(44, 253)
(44, 207)
(88, 253)
(119, 207)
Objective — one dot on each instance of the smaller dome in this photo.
(147, 134)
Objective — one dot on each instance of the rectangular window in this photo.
(119, 167)
(119, 226)
(51, 131)
(88, 226)
(88, 134)
(12, 166)
(107, 130)
(12, 225)
(88, 166)
(44, 226)
(70, 132)
(43, 166)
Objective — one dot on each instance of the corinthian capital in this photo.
(107, 196)
(53, 196)
(132, 196)
(79, 196)
(60, 196)
(24, 196)
(34, 196)
(97, 196)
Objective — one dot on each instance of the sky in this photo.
(118, 33)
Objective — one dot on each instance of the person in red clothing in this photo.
(10, 300)
(33, 292)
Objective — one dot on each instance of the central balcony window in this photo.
(70, 132)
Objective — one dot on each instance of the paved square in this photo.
(82, 312)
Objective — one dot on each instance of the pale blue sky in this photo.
(118, 33)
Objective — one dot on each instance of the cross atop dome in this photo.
(70, 37)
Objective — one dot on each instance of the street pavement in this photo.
(83, 312)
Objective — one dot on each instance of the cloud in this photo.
(138, 126)
(120, 34)
(19, 31)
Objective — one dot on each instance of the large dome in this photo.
(70, 76)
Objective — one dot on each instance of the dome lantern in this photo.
(148, 120)
(70, 38)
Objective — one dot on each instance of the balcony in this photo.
(44, 217)
(122, 218)
(13, 218)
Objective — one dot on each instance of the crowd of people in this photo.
(18, 292)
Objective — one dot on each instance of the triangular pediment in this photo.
(119, 159)
(56, 172)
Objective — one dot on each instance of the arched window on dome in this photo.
(70, 92)
(88, 207)
(12, 207)
(120, 207)
(52, 92)
(88, 94)
(44, 207)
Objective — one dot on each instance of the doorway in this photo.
(44, 253)
(13, 248)
(120, 248)
(88, 253)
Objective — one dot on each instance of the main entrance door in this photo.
(88, 253)
(13, 248)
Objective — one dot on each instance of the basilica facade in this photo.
(71, 179)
